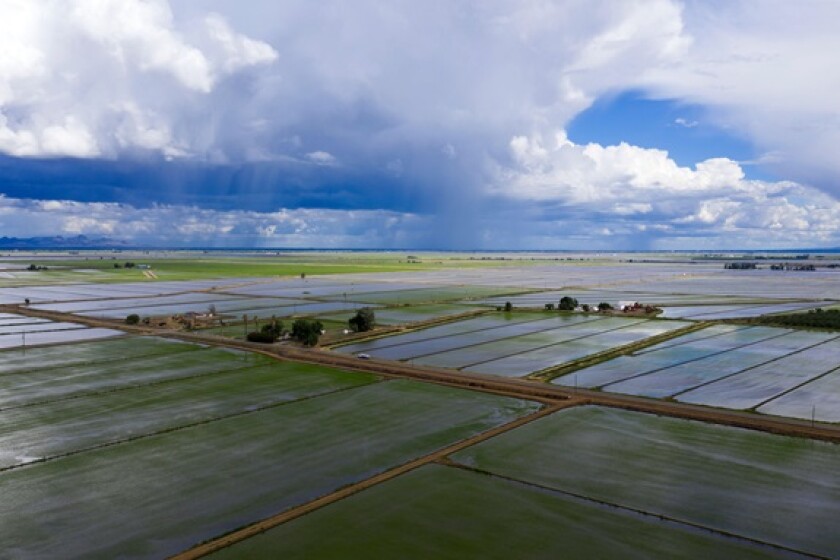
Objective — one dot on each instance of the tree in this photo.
(307, 331)
(211, 310)
(586, 308)
(604, 306)
(132, 319)
(508, 307)
(363, 321)
(274, 328)
(268, 333)
(549, 306)
(567, 304)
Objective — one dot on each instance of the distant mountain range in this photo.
(60, 242)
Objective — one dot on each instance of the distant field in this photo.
(95, 269)
(409, 314)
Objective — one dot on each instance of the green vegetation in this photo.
(132, 319)
(363, 321)
(191, 484)
(604, 306)
(567, 304)
(261, 337)
(445, 512)
(94, 418)
(816, 318)
(198, 266)
(776, 489)
(307, 331)
(268, 333)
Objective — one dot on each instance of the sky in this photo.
(442, 124)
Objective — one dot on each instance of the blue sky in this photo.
(685, 130)
(650, 124)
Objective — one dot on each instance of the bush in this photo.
(132, 319)
(307, 331)
(363, 321)
(262, 337)
(604, 306)
(549, 306)
(508, 306)
(586, 308)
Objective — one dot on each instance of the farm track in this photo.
(511, 387)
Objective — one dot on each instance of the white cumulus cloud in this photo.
(625, 184)
(92, 78)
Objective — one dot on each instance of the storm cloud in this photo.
(443, 119)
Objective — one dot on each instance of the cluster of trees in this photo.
(816, 318)
(33, 267)
(570, 304)
(307, 331)
(268, 334)
(126, 265)
(132, 319)
(798, 267)
(363, 321)
(567, 304)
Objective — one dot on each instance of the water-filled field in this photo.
(680, 378)
(467, 340)
(466, 326)
(818, 399)
(211, 459)
(28, 383)
(216, 386)
(535, 341)
(713, 312)
(689, 348)
(426, 294)
(755, 386)
(51, 333)
(44, 358)
(780, 490)
(412, 314)
(446, 512)
(18, 328)
(197, 300)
